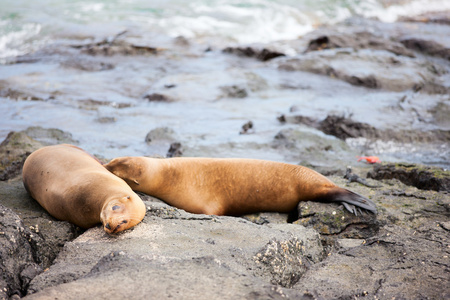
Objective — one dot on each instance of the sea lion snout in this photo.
(120, 214)
(114, 229)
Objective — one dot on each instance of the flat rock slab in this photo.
(191, 249)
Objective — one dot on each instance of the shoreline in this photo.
(359, 88)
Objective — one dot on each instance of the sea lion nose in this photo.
(107, 226)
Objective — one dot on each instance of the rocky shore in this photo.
(401, 71)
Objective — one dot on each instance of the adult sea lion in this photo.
(71, 185)
(231, 186)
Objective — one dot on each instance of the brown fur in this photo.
(73, 186)
(229, 186)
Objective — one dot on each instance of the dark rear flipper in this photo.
(351, 201)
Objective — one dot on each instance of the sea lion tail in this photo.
(351, 201)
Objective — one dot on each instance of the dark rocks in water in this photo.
(156, 97)
(357, 40)
(344, 128)
(50, 136)
(371, 54)
(247, 128)
(234, 91)
(90, 65)
(427, 47)
(92, 104)
(159, 134)
(298, 119)
(422, 177)
(106, 120)
(113, 46)
(7, 92)
(437, 17)
(260, 54)
(175, 150)
(163, 142)
(338, 126)
(372, 69)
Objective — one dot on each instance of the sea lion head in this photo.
(122, 213)
(127, 168)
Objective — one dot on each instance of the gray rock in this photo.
(422, 177)
(193, 249)
(396, 264)
(17, 263)
(371, 68)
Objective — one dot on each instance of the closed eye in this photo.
(115, 207)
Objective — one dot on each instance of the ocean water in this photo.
(205, 122)
(27, 25)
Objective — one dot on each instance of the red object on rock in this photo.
(370, 159)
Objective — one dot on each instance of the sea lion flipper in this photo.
(352, 201)
(351, 208)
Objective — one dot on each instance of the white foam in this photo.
(17, 42)
(394, 12)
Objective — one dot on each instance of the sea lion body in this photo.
(71, 185)
(222, 186)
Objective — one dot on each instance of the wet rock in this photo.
(255, 82)
(50, 136)
(422, 177)
(247, 128)
(155, 97)
(110, 48)
(7, 92)
(298, 119)
(175, 150)
(92, 104)
(160, 133)
(376, 69)
(438, 17)
(344, 128)
(106, 120)
(313, 150)
(260, 54)
(356, 41)
(13, 152)
(234, 91)
(160, 141)
(427, 47)
(440, 114)
(89, 65)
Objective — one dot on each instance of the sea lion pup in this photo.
(231, 186)
(71, 185)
